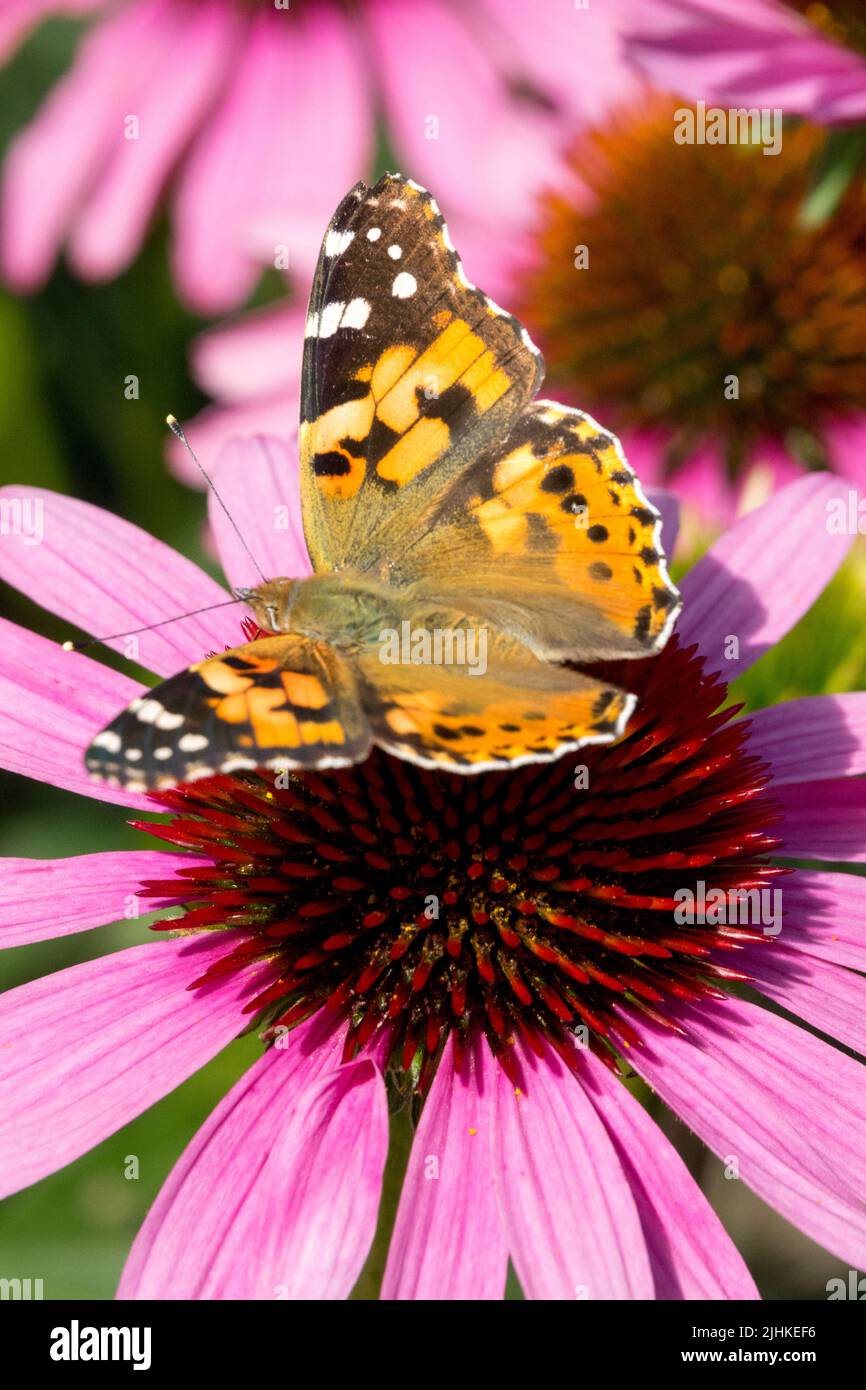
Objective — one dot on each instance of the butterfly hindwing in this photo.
(276, 702)
(516, 709)
(551, 537)
(409, 373)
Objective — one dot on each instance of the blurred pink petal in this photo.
(456, 124)
(258, 481)
(570, 1218)
(785, 1106)
(448, 1241)
(54, 163)
(691, 1253)
(44, 898)
(85, 1050)
(556, 40)
(234, 212)
(196, 45)
(105, 575)
(52, 703)
(253, 356)
(816, 737)
(218, 426)
(667, 504)
(747, 53)
(759, 579)
(201, 1238)
(845, 441)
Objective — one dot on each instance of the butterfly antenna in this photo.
(133, 632)
(177, 429)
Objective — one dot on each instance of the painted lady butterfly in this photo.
(438, 497)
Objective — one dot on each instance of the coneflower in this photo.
(707, 314)
(502, 946)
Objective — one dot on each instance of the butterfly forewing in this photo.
(409, 373)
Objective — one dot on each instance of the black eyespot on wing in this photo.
(331, 465)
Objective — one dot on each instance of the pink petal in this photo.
(548, 43)
(490, 153)
(825, 916)
(216, 426)
(45, 898)
(83, 1051)
(234, 212)
(760, 578)
(448, 1240)
(195, 1239)
(104, 575)
(55, 161)
(52, 703)
(259, 483)
(254, 356)
(824, 820)
(827, 996)
(789, 1108)
(196, 44)
(570, 1219)
(845, 442)
(326, 1172)
(817, 737)
(701, 481)
(747, 53)
(691, 1253)
(668, 505)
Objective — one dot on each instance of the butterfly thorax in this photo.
(345, 610)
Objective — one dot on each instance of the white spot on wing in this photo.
(404, 286)
(192, 743)
(395, 252)
(374, 233)
(149, 711)
(355, 314)
(312, 328)
(329, 319)
(108, 740)
(167, 720)
(336, 242)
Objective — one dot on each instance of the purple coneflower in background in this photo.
(257, 118)
(553, 960)
(807, 58)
